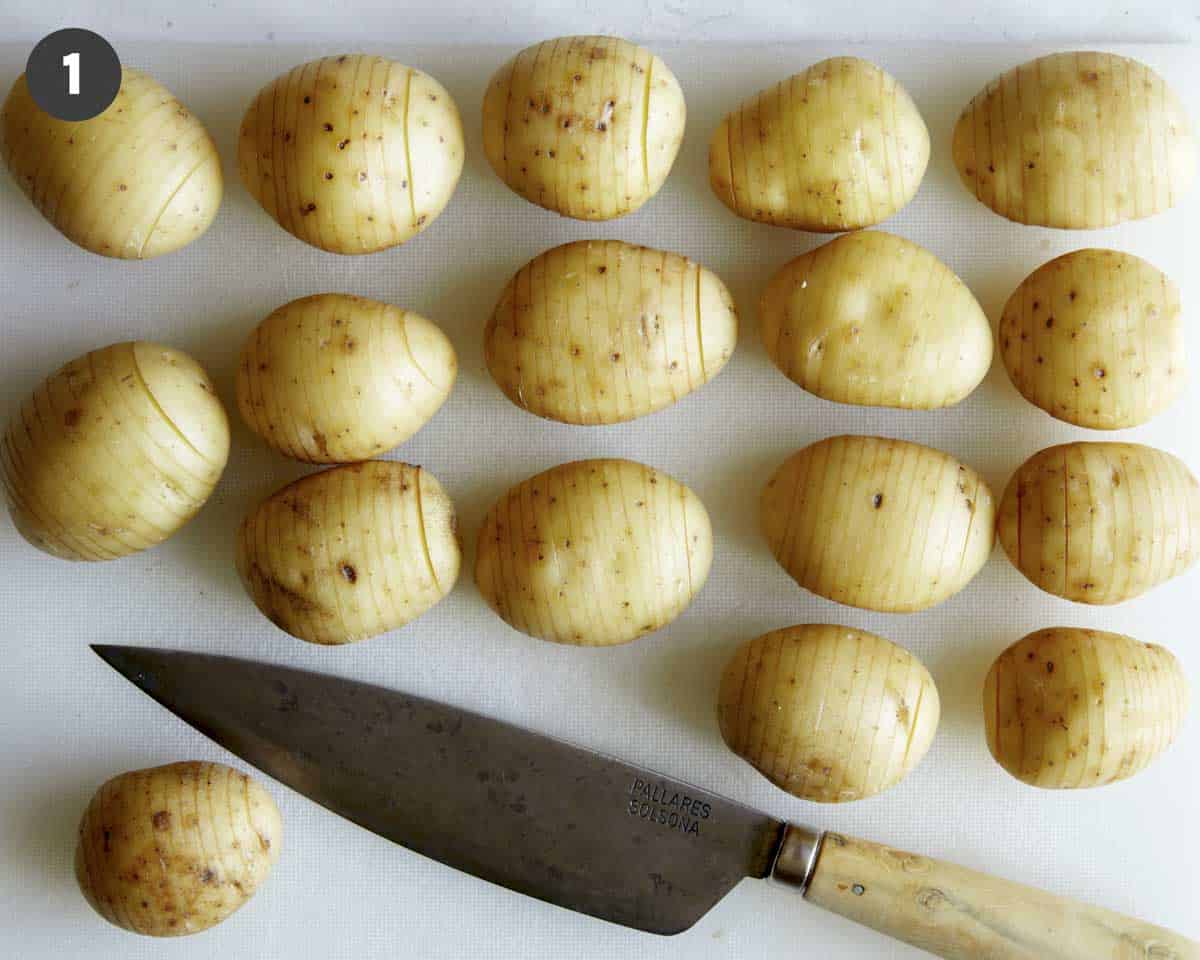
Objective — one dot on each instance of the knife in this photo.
(590, 833)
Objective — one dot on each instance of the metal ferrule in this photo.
(797, 857)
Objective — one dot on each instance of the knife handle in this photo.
(959, 914)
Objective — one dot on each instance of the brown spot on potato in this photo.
(349, 573)
(161, 820)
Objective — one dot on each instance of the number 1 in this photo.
(71, 62)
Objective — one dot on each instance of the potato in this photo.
(352, 154)
(828, 713)
(837, 147)
(175, 850)
(879, 524)
(1076, 140)
(1095, 338)
(593, 553)
(1068, 708)
(351, 552)
(601, 331)
(871, 318)
(585, 126)
(1100, 522)
(334, 378)
(114, 452)
(139, 180)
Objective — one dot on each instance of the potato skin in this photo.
(601, 331)
(1095, 338)
(114, 452)
(873, 319)
(586, 126)
(828, 713)
(836, 147)
(593, 553)
(141, 179)
(1077, 141)
(352, 154)
(879, 524)
(1067, 708)
(333, 378)
(350, 552)
(177, 849)
(1100, 522)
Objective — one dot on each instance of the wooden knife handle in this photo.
(959, 914)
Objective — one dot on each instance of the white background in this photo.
(67, 722)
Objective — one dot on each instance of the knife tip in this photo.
(125, 660)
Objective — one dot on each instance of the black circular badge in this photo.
(73, 74)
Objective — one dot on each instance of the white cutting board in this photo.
(67, 722)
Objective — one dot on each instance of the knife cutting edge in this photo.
(589, 832)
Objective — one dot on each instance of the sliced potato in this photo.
(1095, 338)
(1100, 522)
(836, 147)
(114, 452)
(871, 318)
(353, 153)
(601, 331)
(1067, 707)
(594, 553)
(140, 179)
(586, 126)
(876, 523)
(1076, 140)
(334, 378)
(351, 552)
(828, 713)
(175, 850)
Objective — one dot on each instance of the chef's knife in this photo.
(587, 832)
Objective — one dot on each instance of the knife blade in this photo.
(522, 810)
(589, 832)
